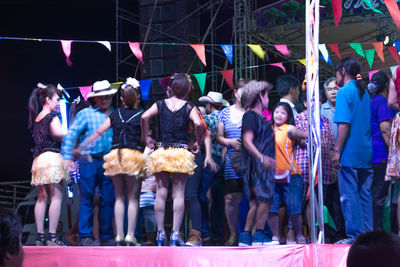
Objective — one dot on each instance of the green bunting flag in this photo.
(368, 3)
(369, 54)
(358, 48)
(201, 81)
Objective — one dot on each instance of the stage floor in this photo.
(291, 255)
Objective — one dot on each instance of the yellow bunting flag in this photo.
(302, 61)
(257, 49)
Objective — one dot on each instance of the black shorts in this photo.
(233, 186)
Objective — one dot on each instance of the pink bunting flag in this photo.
(393, 52)
(66, 46)
(200, 51)
(85, 90)
(379, 50)
(228, 76)
(394, 11)
(280, 65)
(283, 49)
(335, 49)
(337, 11)
(135, 48)
(372, 72)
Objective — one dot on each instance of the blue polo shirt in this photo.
(357, 148)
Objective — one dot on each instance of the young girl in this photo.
(172, 157)
(257, 162)
(47, 168)
(288, 179)
(125, 162)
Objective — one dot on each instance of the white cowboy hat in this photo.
(101, 88)
(214, 98)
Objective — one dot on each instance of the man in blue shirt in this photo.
(352, 154)
(91, 165)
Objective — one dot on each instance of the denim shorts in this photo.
(291, 194)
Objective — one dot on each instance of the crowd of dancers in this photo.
(241, 162)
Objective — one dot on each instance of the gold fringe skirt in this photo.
(131, 163)
(47, 168)
(173, 160)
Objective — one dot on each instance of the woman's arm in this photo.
(208, 160)
(199, 128)
(385, 127)
(248, 138)
(392, 97)
(144, 125)
(56, 128)
(235, 143)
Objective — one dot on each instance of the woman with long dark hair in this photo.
(48, 172)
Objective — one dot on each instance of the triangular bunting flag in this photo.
(257, 49)
(397, 45)
(283, 49)
(135, 48)
(200, 51)
(201, 81)
(358, 48)
(228, 51)
(337, 11)
(393, 52)
(106, 44)
(368, 3)
(66, 46)
(379, 50)
(393, 69)
(324, 52)
(145, 89)
(394, 11)
(302, 61)
(228, 76)
(335, 49)
(372, 72)
(369, 54)
(85, 90)
(280, 65)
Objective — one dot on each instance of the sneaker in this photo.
(131, 241)
(258, 238)
(176, 239)
(301, 240)
(194, 239)
(87, 241)
(245, 239)
(53, 240)
(275, 241)
(345, 241)
(161, 239)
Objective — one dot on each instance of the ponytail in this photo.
(34, 107)
(353, 68)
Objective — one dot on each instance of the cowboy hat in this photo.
(101, 88)
(214, 98)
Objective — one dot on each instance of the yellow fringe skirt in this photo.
(131, 163)
(47, 168)
(173, 160)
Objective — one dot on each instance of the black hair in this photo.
(378, 82)
(286, 106)
(285, 82)
(10, 232)
(38, 99)
(376, 248)
(352, 67)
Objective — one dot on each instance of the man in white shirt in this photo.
(288, 88)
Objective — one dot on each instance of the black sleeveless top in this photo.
(42, 136)
(126, 128)
(173, 125)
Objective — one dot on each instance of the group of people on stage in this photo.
(243, 152)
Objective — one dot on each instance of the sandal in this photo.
(40, 239)
(53, 240)
(232, 241)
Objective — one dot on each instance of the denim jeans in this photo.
(380, 192)
(92, 176)
(356, 199)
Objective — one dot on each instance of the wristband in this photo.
(261, 158)
(226, 143)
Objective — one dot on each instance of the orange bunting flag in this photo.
(200, 51)
(335, 49)
(135, 48)
(393, 52)
(394, 11)
(228, 76)
(379, 50)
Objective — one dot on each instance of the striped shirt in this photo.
(86, 123)
(147, 195)
(232, 130)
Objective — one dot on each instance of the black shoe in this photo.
(88, 242)
(53, 240)
(109, 242)
(40, 239)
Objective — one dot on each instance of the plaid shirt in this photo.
(327, 143)
(86, 123)
(212, 123)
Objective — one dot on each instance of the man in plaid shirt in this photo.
(91, 165)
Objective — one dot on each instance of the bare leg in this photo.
(40, 208)
(134, 186)
(162, 180)
(119, 205)
(232, 212)
(273, 220)
(251, 216)
(178, 196)
(56, 195)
